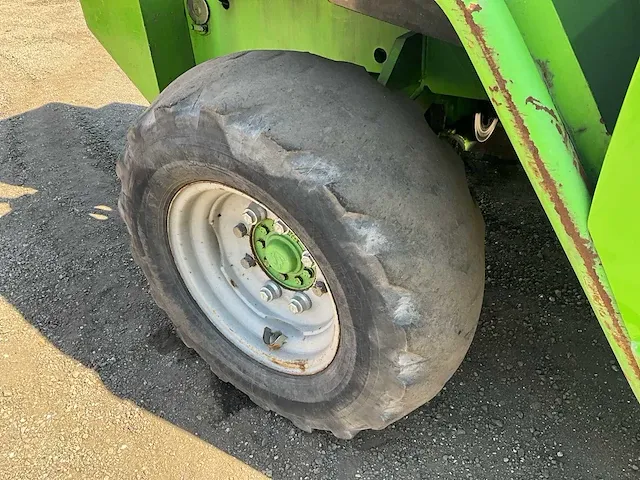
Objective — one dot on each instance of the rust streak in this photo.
(299, 364)
(539, 106)
(547, 76)
(561, 132)
(582, 245)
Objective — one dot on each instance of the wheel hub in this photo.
(281, 256)
(250, 273)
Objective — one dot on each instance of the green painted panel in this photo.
(604, 35)
(119, 27)
(449, 71)
(168, 33)
(417, 62)
(148, 39)
(614, 220)
(315, 26)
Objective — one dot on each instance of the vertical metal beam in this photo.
(551, 49)
(524, 104)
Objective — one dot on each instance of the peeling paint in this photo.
(474, 7)
(539, 106)
(547, 76)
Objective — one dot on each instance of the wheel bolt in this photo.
(253, 214)
(240, 230)
(319, 289)
(307, 260)
(248, 261)
(299, 303)
(270, 291)
(279, 227)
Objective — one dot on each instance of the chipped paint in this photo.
(474, 7)
(547, 75)
(562, 131)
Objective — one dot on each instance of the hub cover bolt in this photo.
(279, 227)
(253, 214)
(248, 261)
(240, 230)
(270, 291)
(307, 260)
(299, 303)
(319, 289)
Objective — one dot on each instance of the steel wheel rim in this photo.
(207, 254)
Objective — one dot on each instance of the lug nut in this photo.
(270, 291)
(307, 260)
(279, 227)
(319, 289)
(248, 261)
(253, 214)
(299, 303)
(240, 230)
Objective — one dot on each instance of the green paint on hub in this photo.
(280, 256)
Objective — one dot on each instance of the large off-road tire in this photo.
(378, 199)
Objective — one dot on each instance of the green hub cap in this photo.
(280, 255)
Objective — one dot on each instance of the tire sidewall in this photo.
(185, 159)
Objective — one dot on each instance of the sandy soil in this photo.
(47, 54)
(58, 420)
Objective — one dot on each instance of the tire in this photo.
(380, 201)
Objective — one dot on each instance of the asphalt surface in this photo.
(538, 396)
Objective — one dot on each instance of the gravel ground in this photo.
(539, 395)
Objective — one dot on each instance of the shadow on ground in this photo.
(539, 395)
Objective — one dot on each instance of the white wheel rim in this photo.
(207, 254)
